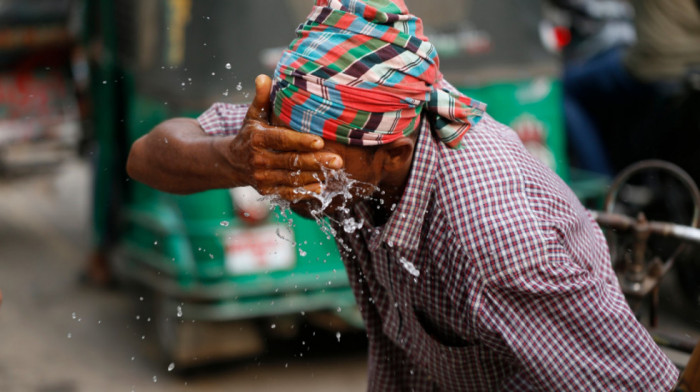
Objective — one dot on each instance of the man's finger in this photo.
(294, 161)
(293, 194)
(287, 178)
(281, 139)
(260, 107)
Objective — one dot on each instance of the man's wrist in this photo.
(228, 161)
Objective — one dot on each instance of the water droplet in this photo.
(337, 336)
(409, 267)
(350, 225)
(179, 311)
(225, 93)
(155, 242)
(74, 316)
(302, 253)
(239, 86)
(171, 366)
(273, 326)
(228, 65)
(70, 335)
(224, 223)
(155, 379)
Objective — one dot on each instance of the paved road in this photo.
(59, 336)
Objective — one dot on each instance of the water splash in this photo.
(409, 267)
(337, 187)
(350, 225)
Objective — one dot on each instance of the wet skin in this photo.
(379, 174)
(177, 156)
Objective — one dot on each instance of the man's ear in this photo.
(398, 155)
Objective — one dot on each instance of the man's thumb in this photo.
(260, 107)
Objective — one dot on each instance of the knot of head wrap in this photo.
(361, 72)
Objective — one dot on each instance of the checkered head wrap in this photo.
(361, 72)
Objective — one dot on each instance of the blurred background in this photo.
(109, 285)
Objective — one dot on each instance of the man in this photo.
(474, 266)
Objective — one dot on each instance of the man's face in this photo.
(358, 180)
(342, 189)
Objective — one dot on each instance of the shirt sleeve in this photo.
(546, 297)
(570, 330)
(223, 118)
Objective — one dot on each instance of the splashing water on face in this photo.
(336, 187)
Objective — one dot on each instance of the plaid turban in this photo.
(361, 72)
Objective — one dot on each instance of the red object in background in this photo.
(562, 36)
(554, 37)
(250, 205)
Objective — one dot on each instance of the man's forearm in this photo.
(178, 157)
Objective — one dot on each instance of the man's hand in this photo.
(276, 159)
(178, 157)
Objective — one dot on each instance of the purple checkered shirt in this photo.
(489, 276)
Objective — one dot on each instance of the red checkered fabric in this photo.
(361, 72)
(223, 118)
(491, 276)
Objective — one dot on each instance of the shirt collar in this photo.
(404, 225)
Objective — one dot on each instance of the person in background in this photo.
(600, 32)
(618, 100)
(474, 266)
